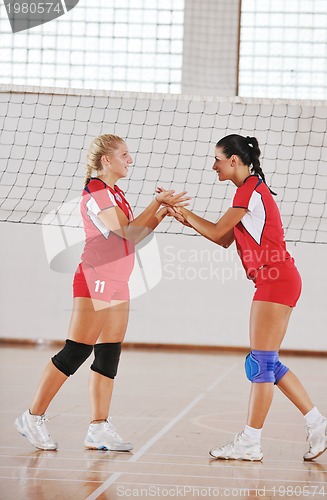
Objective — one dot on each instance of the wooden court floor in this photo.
(174, 406)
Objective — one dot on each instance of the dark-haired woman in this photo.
(254, 222)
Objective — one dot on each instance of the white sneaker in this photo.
(33, 427)
(317, 437)
(242, 448)
(104, 436)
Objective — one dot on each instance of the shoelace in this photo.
(309, 434)
(237, 438)
(110, 427)
(228, 445)
(232, 443)
(41, 424)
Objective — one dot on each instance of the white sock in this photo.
(96, 425)
(313, 416)
(252, 433)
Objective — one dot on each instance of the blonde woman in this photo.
(101, 295)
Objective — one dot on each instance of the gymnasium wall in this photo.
(211, 47)
(201, 296)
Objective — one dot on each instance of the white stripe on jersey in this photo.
(254, 220)
(113, 199)
(92, 211)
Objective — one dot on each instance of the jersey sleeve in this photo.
(244, 196)
(100, 196)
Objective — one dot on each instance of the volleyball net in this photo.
(45, 134)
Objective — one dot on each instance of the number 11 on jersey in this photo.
(99, 286)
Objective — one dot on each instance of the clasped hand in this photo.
(174, 203)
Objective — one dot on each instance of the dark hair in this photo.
(247, 149)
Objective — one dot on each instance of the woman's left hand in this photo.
(170, 199)
(177, 214)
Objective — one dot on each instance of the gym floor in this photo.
(174, 406)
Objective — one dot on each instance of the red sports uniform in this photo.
(108, 259)
(261, 245)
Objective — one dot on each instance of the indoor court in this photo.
(171, 78)
(173, 417)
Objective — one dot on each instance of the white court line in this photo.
(201, 486)
(165, 429)
(217, 464)
(159, 434)
(188, 476)
(279, 460)
(50, 479)
(232, 478)
(55, 456)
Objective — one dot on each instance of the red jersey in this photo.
(103, 247)
(259, 235)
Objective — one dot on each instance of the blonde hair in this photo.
(100, 146)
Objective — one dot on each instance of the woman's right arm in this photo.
(136, 230)
(226, 240)
(221, 232)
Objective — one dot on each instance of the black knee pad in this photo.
(71, 357)
(106, 359)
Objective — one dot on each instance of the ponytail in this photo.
(255, 155)
(247, 149)
(88, 174)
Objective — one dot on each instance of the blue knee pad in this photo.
(260, 366)
(280, 370)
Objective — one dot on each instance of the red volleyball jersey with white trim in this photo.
(103, 248)
(259, 235)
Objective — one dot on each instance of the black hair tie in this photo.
(249, 141)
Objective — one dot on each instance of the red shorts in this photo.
(95, 284)
(279, 282)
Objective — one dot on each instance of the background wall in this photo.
(203, 297)
(211, 47)
(174, 46)
(165, 46)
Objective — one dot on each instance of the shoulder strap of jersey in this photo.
(122, 194)
(95, 182)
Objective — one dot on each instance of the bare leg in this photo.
(85, 326)
(268, 324)
(294, 390)
(101, 387)
(51, 381)
(100, 393)
(261, 397)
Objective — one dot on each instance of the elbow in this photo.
(223, 241)
(223, 244)
(122, 233)
(218, 240)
